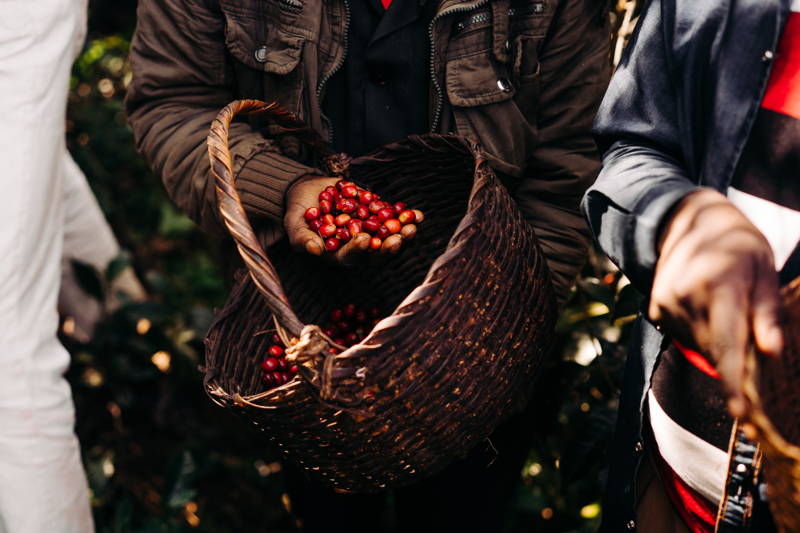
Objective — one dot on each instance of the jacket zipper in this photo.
(439, 96)
(535, 8)
(293, 4)
(334, 70)
(477, 18)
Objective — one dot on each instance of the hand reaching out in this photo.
(716, 286)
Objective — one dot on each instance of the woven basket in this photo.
(772, 385)
(472, 317)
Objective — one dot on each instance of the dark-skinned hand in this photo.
(303, 194)
(716, 287)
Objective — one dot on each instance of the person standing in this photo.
(42, 483)
(522, 77)
(698, 203)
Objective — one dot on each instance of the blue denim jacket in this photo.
(676, 117)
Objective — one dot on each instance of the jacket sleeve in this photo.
(643, 174)
(574, 70)
(181, 80)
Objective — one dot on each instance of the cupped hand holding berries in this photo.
(334, 215)
(301, 196)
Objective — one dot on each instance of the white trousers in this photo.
(42, 484)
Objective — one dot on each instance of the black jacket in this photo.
(677, 115)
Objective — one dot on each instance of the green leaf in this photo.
(89, 279)
(117, 265)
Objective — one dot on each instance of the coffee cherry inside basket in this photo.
(345, 210)
(277, 369)
(350, 324)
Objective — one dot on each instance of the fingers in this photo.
(392, 244)
(767, 332)
(307, 240)
(301, 237)
(348, 253)
(729, 335)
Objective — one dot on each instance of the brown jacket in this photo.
(523, 77)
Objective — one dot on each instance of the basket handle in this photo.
(258, 264)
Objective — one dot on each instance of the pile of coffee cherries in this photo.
(277, 370)
(346, 210)
(350, 325)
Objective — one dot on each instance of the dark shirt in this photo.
(380, 93)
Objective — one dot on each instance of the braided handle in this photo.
(258, 264)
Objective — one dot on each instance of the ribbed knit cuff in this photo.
(262, 182)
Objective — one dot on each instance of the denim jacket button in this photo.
(504, 85)
(261, 54)
(768, 56)
(631, 525)
(638, 447)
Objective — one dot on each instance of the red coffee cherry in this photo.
(325, 206)
(346, 205)
(362, 212)
(337, 315)
(375, 243)
(349, 310)
(354, 227)
(365, 197)
(382, 233)
(327, 230)
(342, 219)
(407, 217)
(375, 206)
(332, 244)
(385, 214)
(399, 207)
(270, 364)
(393, 225)
(275, 351)
(343, 234)
(315, 224)
(349, 191)
(371, 226)
(312, 213)
(328, 218)
(325, 195)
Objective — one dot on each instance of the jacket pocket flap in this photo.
(473, 80)
(272, 49)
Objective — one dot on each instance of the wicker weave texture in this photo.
(773, 388)
(471, 316)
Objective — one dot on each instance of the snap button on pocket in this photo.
(504, 85)
(261, 54)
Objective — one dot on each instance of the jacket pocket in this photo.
(482, 95)
(267, 46)
(474, 80)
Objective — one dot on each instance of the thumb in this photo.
(301, 237)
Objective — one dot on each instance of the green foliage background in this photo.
(161, 458)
